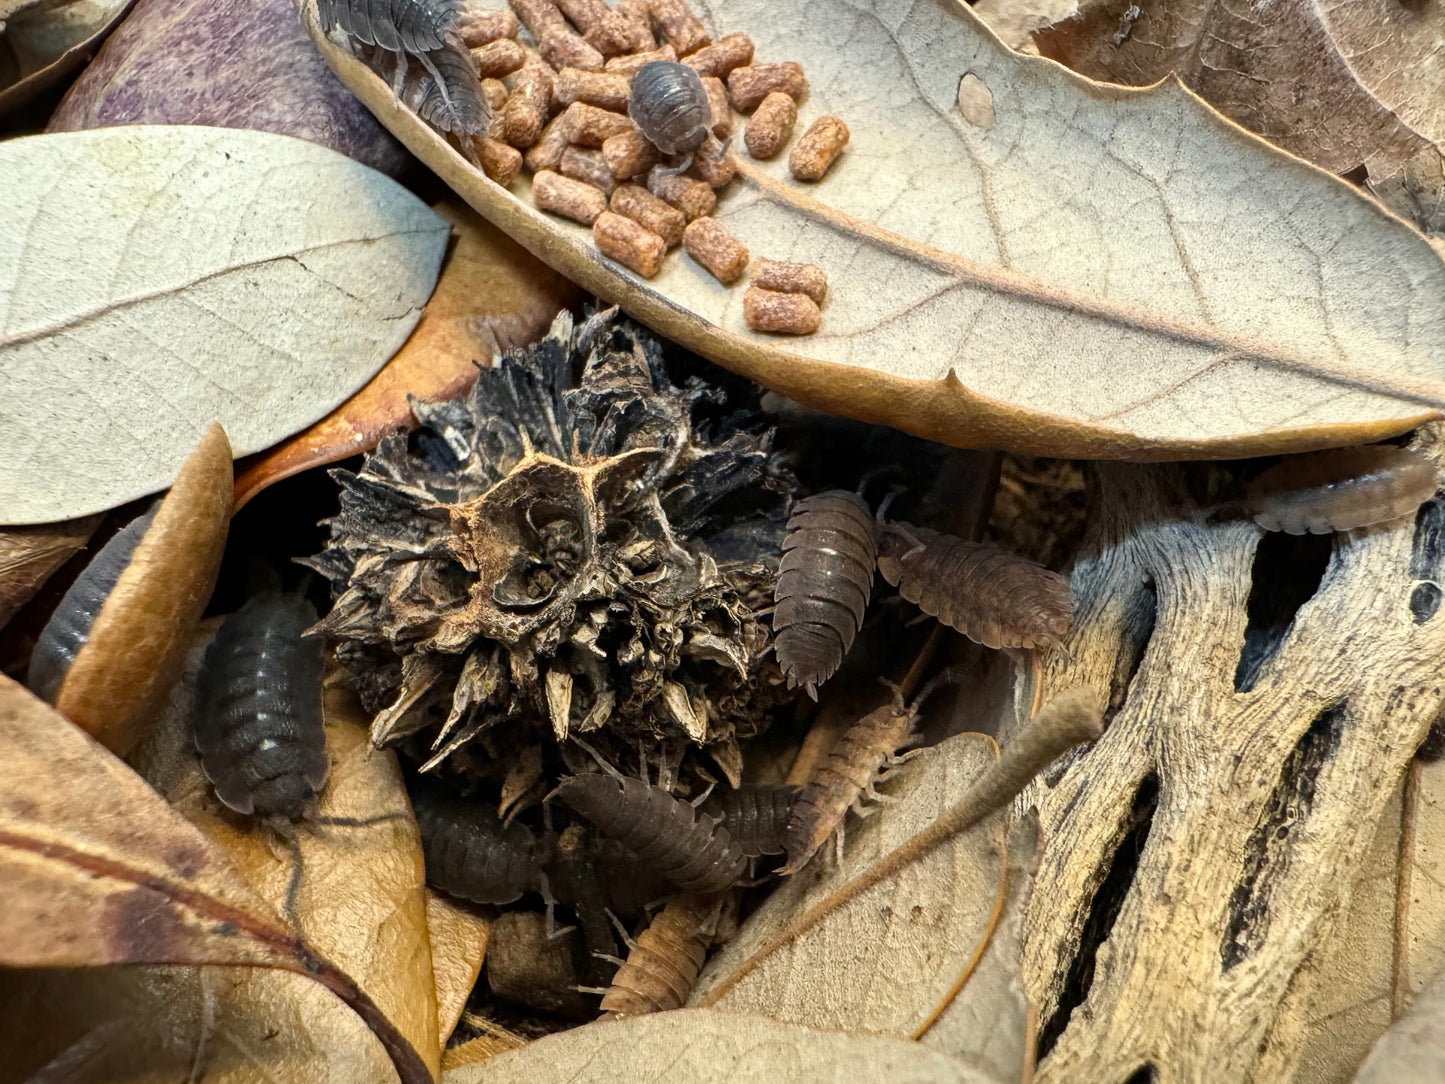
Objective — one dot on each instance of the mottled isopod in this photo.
(754, 814)
(1340, 490)
(994, 597)
(664, 832)
(670, 106)
(662, 966)
(69, 626)
(259, 726)
(469, 854)
(823, 585)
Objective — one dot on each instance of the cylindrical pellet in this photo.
(682, 29)
(708, 242)
(640, 205)
(547, 152)
(719, 106)
(721, 57)
(771, 125)
(538, 16)
(500, 162)
(628, 243)
(589, 126)
(631, 65)
(713, 165)
(480, 27)
(589, 167)
(789, 277)
(692, 197)
(821, 144)
(563, 48)
(498, 58)
(629, 154)
(779, 313)
(567, 197)
(606, 90)
(748, 86)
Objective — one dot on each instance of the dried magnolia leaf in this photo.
(1414, 1049)
(1052, 266)
(199, 62)
(28, 556)
(49, 43)
(493, 1041)
(492, 296)
(458, 936)
(98, 869)
(884, 960)
(138, 642)
(137, 258)
(701, 1046)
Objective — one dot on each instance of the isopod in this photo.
(258, 721)
(663, 964)
(1340, 490)
(665, 833)
(993, 597)
(469, 854)
(754, 814)
(69, 626)
(670, 106)
(823, 585)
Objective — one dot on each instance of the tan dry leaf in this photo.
(703, 1046)
(458, 936)
(138, 256)
(1088, 276)
(492, 296)
(1414, 1049)
(29, 555)
(48, 44)
(493, 1041)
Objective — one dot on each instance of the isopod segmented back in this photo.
(670, 106)
(417, 26)
(469, 854)
(1340, 490)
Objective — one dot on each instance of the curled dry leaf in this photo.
(1414, 1049)
(137, 256)
(28, 556)
(98, 869)
(138, 642)
(492, 296)
(701, 1046)
(48, 43)
(1055, 266)
(458, 936)
(198, 62)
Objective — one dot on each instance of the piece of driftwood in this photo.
(1201, 851)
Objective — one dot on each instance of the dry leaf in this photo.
(1080, 272)
(137, 644)
(1414, 1049)
(99, 870)
(187, 275)
(458, 936)
(702, 1046)
(28, 556)
(492, 296)
(47, 44)
(200, 62)
(493, 1041)
(886, 959)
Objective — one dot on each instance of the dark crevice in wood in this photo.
(1427, 560)
(1145, 1074)
(1137, 632)
(1266, 854)
(1287, 572)
(1103, 910)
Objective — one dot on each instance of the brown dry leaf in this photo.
(458, 936)
(45, 44)
(492, 296)
(702, 1046)
(885, 960)
(1079, 270)
(138, 642)
(99, 870)
(28, 556)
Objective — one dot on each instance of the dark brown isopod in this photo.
(994, 597)
(259, 727)
(823, 585)
(754, 814)
(1340, 490)
(664, 832)
(670, 106)
(469, 854)
(69, 626)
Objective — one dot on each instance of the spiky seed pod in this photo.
(824, 581)
(469, 854)
(576, 543)
(990, 595)
(1340, 490)
(754, 814)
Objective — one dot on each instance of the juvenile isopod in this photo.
(1340, 490)
(994, 597)
(469, 854)
(670, 107)
(664, 832)
(663, 964)
(258, 723)
(823, 585)
(69, 626)
(754, 814)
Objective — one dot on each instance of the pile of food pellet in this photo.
(566, 109)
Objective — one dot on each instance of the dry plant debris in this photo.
(44, 43)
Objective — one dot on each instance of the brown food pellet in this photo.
(713, 164)
(720, 252)
(495, 92)
(821, 144)
(771, 125)
(637, 203)
(481, 27)
(499, 161)
(682, 29)
(692, 197)
(628, 154)
(589, 167)
(639, 21)
(631, 65)
(591, 127)
(498, 58)
(601, 27)
(606, 90)
(538, 16)
(563, 48)
(530, 104)
(630, 244)
(790, 277)
(567, 197)
(717, 101)
(780, 313)
(750, 85)
(546, 153)
(722, 56)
